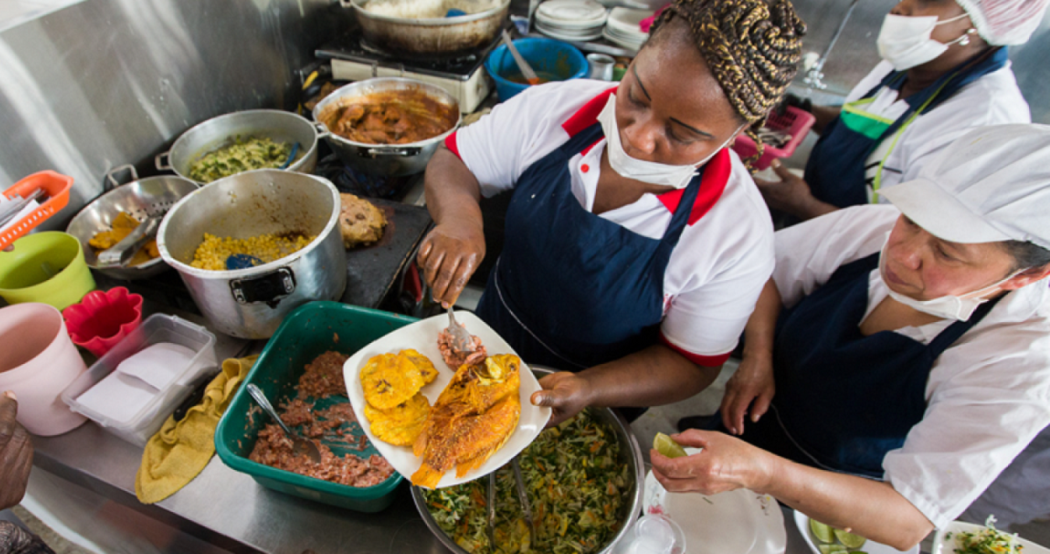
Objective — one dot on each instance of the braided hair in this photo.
(753, 48)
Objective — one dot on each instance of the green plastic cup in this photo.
(45, 267)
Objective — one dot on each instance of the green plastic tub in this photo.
(307, 332)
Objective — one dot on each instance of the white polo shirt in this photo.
(724, 255)
(988, 394)
(993, 99)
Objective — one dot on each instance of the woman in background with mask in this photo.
(636, 242)
(899, 358)
(945, 71)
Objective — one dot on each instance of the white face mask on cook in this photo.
(959, 308)
(905, 41)
(677, 176)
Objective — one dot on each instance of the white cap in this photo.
(991, 184)
(1004, 22)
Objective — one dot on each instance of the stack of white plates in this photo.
(572, 20)
(622, 27)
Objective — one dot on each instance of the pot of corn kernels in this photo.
(254, 246)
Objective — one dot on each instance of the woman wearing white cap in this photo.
(945, 71)
(900, 355)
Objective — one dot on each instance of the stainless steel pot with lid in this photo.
(251, 303)
(438, 35)
(389, 160)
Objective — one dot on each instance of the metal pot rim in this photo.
(162, 246)
(430, 21)
(155, 261)
(183, 138)
(350, 91)
(636, 499)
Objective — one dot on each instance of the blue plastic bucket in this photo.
(554, 57)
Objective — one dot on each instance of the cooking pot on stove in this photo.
(439, 35)
(251, 303)
(390, 160)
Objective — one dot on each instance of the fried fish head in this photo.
(389, 380)
(401, 425)
(423, 364)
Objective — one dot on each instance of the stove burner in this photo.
(346, 179)
(436, 60)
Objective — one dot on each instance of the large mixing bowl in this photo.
(390, 160)
(432, 36)
(219, 131)
(251, 303)
(630, 454)
(141, 198)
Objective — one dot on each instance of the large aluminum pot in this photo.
(389, 160)
(216, 132)
(441, 35)
(140, 198)
(630, 454)
(251, 303)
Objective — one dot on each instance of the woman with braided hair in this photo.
(636, 242)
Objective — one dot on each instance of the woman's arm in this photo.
(752, 385)
(825, 115)
(654, 376)
(452, 250)
(792, 194)
(872, 509)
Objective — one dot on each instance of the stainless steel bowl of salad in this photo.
(584, 481)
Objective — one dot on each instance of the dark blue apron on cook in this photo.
(573, 290)
(844, 400)
(837, 165)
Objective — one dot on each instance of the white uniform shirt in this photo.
(721, 262)
(988, 394)
(993, 99)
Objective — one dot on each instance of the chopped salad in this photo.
(242, 155)
(577, 488)
(986, 541)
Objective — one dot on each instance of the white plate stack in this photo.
(622, 27)
(571, 20)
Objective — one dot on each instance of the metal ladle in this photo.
(300, 444)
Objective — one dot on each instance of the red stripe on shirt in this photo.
(588, 114)
(712, 185)
(452, 144)
(706, 361)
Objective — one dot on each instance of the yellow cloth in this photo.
(181, 450)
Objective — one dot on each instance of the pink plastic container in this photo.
(795, 121)
(103, 318)
(37, 362)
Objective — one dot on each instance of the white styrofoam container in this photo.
(155, 329)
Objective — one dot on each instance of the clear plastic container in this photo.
(157, 328)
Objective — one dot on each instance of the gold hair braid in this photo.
(752, 47)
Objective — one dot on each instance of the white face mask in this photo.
(677, 176)
(905, 41)
(946, 307)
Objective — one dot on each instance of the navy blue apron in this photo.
(836, 167)
(573, 290)
(844, 400)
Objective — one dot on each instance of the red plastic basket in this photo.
(57, 188)
(795, 121)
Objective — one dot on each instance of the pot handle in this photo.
(322, 131)
(269, 288)
(112, 182)
(399, 152)
(162, 161)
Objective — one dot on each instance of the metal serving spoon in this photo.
(301, 445)
(460, 336)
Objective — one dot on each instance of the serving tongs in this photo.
(523, 498)
(9, 210)
(120, 254)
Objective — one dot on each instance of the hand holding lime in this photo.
(667, 446)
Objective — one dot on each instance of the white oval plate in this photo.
(871, 547)
(568, 37)
(756, 521)
(572, 13)
(422, 336)
(627, 21)
(948, 546)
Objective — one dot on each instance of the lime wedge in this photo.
(667, 446)
(851, 541)
(831, 549)
(824, 533)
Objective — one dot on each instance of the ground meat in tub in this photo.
(324, 376)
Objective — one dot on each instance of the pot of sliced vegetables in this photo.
(243, 141)
(584, 484)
